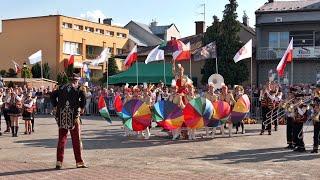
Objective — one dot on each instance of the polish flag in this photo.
(132, 57)
(183, 53)
(71, 60)
(17, 68)
(287, 58)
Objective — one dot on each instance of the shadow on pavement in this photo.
(26, 172)
(259, 155)
(107, 139)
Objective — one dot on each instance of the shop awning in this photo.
(148, 73)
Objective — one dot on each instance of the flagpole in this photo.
(137, 72)
(190, 69)
(292, 73)
(164, 72)
(217, 66)
(251, 81)
(107, 74)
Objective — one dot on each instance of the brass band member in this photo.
(300, 118)
(316, 120)
(289, 110)
(264, 106)
(268, 104)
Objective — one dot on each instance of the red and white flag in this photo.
(244, 53)
(17, 68)
(183, 53)
(287, 58)
(132, 57)
(69, 62)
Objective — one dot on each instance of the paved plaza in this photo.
(109, 155)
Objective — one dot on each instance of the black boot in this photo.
(12, 130)
(314, 151)
(16, 132)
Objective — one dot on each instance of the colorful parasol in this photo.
(103, 110)
(136, 115)
(197, 113)
(221, 113)
(168, 115)
(241, 109)
(118, 103)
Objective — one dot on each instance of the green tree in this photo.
(69, 70)
(228, 43)
(112, 67)
(36, 70)
(3, 72)
(213, 33)
(26, 72)
(62, 78)
(11, 73)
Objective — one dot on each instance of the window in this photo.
(278, 39)
(71, 48)
(66, 25)
(121, 35)
(109, 33)
(110, 50)
(77, 27)
(99, 31)
(317, 38)
(90, 50)
(119, 51)
(302, 38)
(89, 29)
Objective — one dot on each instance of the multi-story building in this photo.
(144, 35)
(279, 21)
(58, 37)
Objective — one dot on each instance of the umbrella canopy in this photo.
(241, 109)
(198, 113)
(168, 115)
(136, 115)
(103, 109)
(221, 113)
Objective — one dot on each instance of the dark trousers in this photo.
(289, 130)
(76, 143)
(316, 131)
(7, 117)
(298, 130)
(238, 125)
(264, 111)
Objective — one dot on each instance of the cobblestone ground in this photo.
(109, 155)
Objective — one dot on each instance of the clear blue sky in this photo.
(181, 12)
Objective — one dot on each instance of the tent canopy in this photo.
(147, 73)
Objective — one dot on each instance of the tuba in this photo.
(217, 81)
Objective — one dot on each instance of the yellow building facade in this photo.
(58, 37)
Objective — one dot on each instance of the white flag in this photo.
(102, 58)
(155, 55)
(244, 53)
(36, 57)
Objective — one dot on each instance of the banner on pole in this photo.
(207, 52)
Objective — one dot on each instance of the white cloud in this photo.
(93, 15)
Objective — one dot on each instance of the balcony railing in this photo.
(268, 53)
